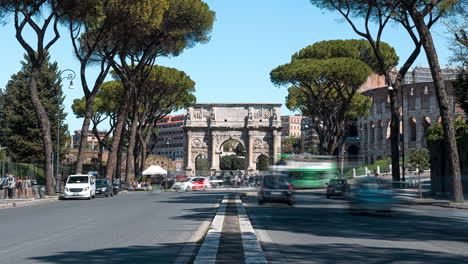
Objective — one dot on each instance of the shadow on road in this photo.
(349, 254)
(165, 253)
(198, 198)
(327, 218)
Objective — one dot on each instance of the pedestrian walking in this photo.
(11, 184)
(27, 187)
(236, 181)
(19, 188)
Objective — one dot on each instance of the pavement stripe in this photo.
(253, 253)
(209, 248)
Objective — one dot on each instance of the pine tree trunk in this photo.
(121, 119)
(44, 124)
(130, 170)
(453, 161)
(394, 136)
(118, 169)
(85, 132)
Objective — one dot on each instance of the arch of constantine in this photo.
(255, 126)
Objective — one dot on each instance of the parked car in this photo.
(337, 187)
(371, 194)
(80, 186)
(104, 188)
(275, 188)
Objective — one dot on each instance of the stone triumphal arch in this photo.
(208, 126)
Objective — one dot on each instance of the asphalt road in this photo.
(129, 228)
(318, 230)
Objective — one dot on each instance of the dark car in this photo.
(338, 187)
(103, 187)
(275, 188)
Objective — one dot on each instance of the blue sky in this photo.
(249, 39)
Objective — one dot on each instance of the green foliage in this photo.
(357, 49)
(419, 159)
(460, 88)
(325, 78)
(239, 150)
(383, 164)
(262, 163)
(201, 164)
(291, 145)
(436, 133)
(232, 162)
(20, 130)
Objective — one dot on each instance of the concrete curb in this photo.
(27, 203)
(253, 252)
(209, 248)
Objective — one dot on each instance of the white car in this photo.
(193, 183)
(80, 186)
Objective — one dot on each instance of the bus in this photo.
(307, 173)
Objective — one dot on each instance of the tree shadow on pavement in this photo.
(349, 254)
(201, 198)
(164, 253)
(326, 218)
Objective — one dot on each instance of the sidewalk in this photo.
(25, 202)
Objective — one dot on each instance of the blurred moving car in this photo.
(275, 188)
(195, 183)
(337, 187)
(103, 187)
(371, 194)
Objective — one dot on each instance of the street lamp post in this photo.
(70, 76)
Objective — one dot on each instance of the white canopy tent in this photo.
(155, 170)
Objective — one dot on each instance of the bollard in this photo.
(354, 173)
(378, 170)
(42, 191)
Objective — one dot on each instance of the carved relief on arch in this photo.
(260, 145)
(199, 143)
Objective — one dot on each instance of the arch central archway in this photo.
(232, 155)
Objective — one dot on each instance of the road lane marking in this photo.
(209, 248)
(253, 252)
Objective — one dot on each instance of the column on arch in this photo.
(214, 154)
(250, 152)
(189, 151)
(276, 145)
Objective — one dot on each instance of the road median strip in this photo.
(253, 252)
(209, 248)
(214, 243)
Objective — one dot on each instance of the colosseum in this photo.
(420, 110)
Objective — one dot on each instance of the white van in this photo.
(80, 186)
